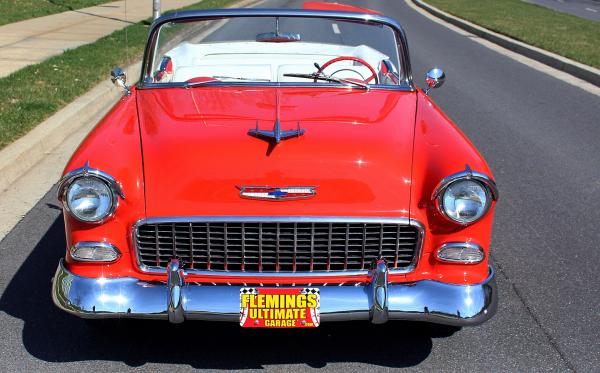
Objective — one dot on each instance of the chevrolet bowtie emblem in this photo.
(277, 193)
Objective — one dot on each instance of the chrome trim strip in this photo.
(426, 300)
(80, 244)
(280, 219)
(488, 183)
(400, 87)
(86, 171)
(199, 15)
(460, 244)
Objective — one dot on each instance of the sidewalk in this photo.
(32, 41)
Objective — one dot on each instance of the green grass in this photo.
(563, 34)
(18, 10)
(32, 94)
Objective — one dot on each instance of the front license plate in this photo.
(279, 307)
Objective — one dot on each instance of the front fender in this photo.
(114, 147)
(441, 149)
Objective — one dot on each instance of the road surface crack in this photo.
(549, 337)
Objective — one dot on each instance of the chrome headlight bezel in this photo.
(487, 184)
(90, 173)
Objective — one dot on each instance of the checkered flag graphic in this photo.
(244, 311)
(248, 291)
(315, 313)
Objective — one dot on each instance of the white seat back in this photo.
(254, 71)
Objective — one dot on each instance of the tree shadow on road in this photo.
(54, 336)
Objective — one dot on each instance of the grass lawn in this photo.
(564, 34)
(18, 10)
(32, 94)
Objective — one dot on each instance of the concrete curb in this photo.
(585, 72)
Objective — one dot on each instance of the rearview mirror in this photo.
(434, 79)
(277, 36)
(281, 37)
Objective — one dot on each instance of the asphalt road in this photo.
(541, 137)
(589, 9)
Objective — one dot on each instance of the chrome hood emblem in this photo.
(268, 193)
(275, 136)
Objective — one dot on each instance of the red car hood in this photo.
(356, 149)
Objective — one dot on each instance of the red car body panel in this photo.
(181, 152)
(114, 145)
(202, 135)
(441, 149)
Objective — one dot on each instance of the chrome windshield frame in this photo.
(405, 81)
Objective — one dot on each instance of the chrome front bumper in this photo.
(176, 300)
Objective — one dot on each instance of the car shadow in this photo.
(54, 336)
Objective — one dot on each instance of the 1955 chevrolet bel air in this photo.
(268, 171)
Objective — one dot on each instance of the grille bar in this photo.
(287, 246)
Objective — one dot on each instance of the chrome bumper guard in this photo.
(176, 301)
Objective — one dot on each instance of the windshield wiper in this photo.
(328, 78)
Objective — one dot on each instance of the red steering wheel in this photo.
(350, 58)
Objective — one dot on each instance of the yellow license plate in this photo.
(279, 307)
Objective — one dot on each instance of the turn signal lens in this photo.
(461, 252)
(94, 252)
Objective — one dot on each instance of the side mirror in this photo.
(434, 79)
(117, 76)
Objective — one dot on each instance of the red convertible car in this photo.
(277, 168)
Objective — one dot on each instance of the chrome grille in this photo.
(271, 246)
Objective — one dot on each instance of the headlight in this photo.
(89, 199)
(89, 195)
(465, 201)
(465, 197)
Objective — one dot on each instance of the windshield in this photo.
(275, 50)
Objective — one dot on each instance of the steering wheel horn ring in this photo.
(348, 58)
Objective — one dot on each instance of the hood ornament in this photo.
(275, 136)
(268, 193)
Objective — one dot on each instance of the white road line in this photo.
(336, 28)
(591, 10)
(560, 75)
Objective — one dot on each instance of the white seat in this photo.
(255, 71)
(267, 61)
